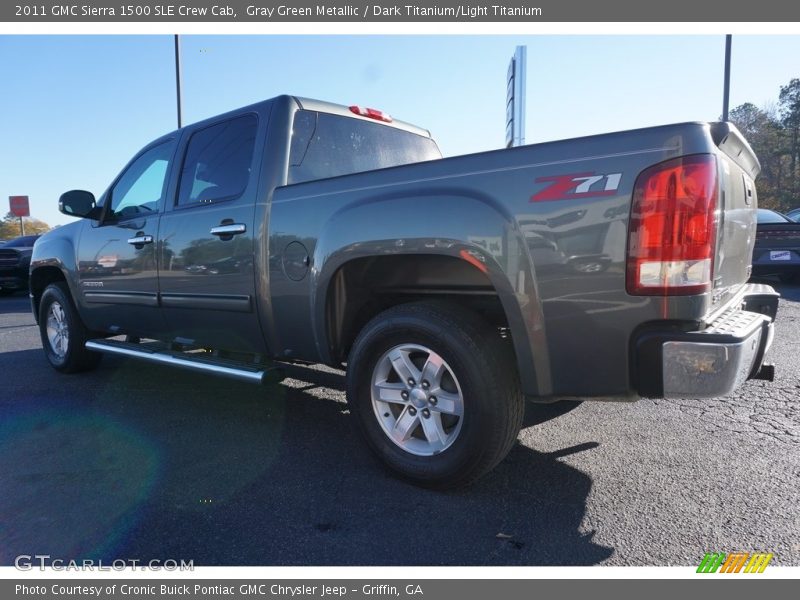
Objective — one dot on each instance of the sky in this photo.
(74, 109)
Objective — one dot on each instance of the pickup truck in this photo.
(451, 290)
(15, 258)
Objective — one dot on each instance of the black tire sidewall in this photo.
(54, 293)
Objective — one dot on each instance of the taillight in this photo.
(371, 113)
(673, 228)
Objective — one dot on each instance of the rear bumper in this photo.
(714, 361)
(776, 261)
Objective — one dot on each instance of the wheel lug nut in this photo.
(411, 382)
(425, 384)
(433, 400)
(426, 413)
(404, 395)
(412, 411)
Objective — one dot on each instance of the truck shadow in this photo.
(141, 462)
(16, 303)
(535, 414)
(788, 291)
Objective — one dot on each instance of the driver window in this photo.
(140, 189)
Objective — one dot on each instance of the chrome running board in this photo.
(205, 362)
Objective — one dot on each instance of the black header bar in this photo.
(415, 11)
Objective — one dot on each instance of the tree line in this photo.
(9, 227)
(774, 134)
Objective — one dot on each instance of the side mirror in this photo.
(78, 203)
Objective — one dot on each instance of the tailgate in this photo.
(737, 202)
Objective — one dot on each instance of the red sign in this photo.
(19, 206)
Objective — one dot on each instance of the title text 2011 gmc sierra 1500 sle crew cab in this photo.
(613, 266)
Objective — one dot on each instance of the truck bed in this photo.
(555, 258)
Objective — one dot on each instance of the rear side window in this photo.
(326, 145)
(218, 162)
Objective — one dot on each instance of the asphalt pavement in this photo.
(136, 461)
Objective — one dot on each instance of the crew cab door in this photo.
(117, 258)
(207, 282)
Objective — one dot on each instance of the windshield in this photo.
(770, 216)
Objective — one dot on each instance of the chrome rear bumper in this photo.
(714, 361)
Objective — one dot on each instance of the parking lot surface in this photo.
(135, 461)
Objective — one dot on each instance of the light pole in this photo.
(178, 75)
(726, 91)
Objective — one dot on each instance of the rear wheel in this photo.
(63, 333)
(435, 393)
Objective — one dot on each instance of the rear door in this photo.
(206, 278)
(117, 259)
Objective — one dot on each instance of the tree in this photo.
(764, 131)
(789, 106)
(9, 227)
(748, 118)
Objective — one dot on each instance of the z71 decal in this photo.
(577, 185)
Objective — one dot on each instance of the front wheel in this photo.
(435, 393)
(63, 333)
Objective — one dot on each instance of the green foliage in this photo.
(774, 134)
(9, 227)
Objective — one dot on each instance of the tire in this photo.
(63, 333)
(464, 422)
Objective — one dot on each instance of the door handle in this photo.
(227, 231)
(140, 240)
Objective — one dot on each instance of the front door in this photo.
(117, 259)
(207, 277)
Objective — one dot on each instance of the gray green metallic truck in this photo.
(451, 290)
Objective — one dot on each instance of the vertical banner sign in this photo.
(515, 99)
(19, 207)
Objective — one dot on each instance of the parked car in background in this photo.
(777, 248)
(794, 214)
(15, 260)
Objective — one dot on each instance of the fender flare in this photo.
(58, 252)
(450, 223)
